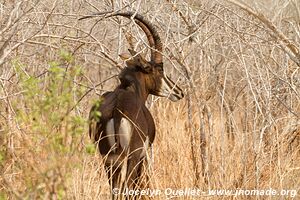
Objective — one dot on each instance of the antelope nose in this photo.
(176, 96)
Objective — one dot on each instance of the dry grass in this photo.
(238, 127)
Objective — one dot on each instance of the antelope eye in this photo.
(148, 68)
(160, 69)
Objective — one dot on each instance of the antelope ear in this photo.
(140, 61)
(128, 59)
(125, 56)
(132, 58)
(132, 52)
(138, 58)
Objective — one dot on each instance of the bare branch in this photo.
(289, 46)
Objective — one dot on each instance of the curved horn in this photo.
(147, 27)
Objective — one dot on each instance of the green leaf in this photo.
(90, 149)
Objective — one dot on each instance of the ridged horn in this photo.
(146, 26)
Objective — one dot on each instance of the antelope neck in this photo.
(141, 91)
(138, 88)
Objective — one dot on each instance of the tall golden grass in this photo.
(237, 128)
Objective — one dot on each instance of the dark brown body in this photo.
(123, 103)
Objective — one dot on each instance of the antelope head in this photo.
(149, 76)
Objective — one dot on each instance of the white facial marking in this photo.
(125, 132)
(164, 88)
(110, 131)
(170, 90)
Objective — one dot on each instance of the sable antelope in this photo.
(125, 128)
